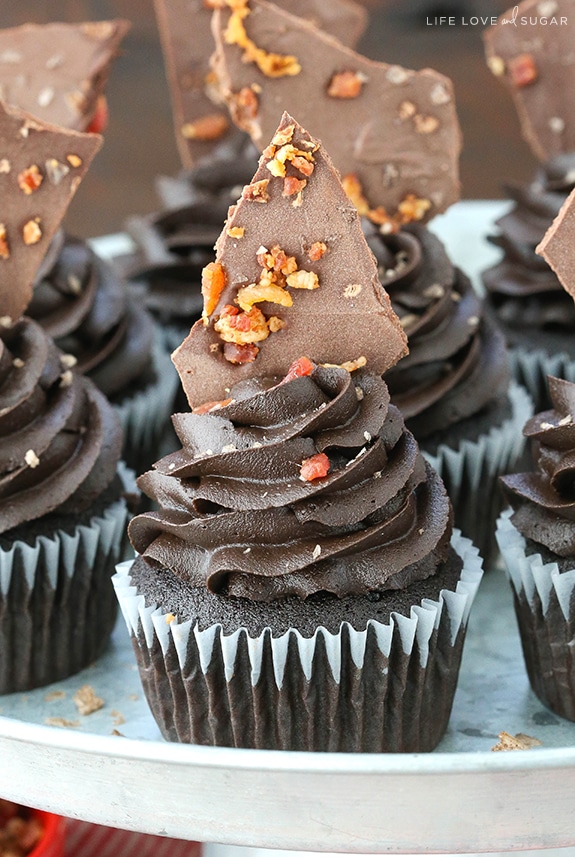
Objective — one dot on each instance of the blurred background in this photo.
(140, 144)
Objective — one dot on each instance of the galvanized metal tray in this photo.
(113, 768)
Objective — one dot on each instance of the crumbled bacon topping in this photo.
(212, 126)
(30, 179)
(315, 467)
(522, 70)
(213, 284)
(270, 64)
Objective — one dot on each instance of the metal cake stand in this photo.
(112, 767)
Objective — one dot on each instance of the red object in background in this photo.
(99, 121)
(52, 842)
(94, 840)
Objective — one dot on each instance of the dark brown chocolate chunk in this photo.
(531, 50)
(57, 72)
(41, 167)
(392, 133)
(200, 120)
(293, 277)
(558, 245)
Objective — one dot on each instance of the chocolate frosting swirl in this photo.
(544, 501)
(456, 363)
(522, 288)
(60, 438)
(236, 516)
(86, 308)
(174, 244)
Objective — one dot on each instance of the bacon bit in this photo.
(293, 185)
(303, 164)
(276, 168)
(257, 191)
(407, 109)
(212, 126)
(315, 467)
(303, 280)
(409, 209)
(270, 64)
(30, 179)
(235, 231)
(74, 160)
(352, 291)
(283, 136)
(349, 365)
(353, 189)
(213, 284)
(244, 327)
(523, 70)
(275, 324)
(299, 369)
(258, 292)
(413, 208)
(346, 84)
(239, 354)
(247, 103)
(425, 124)
(276, 259)
(211, 406)
(4, 246)
(5, 166)
(316, 251)
(31, 232)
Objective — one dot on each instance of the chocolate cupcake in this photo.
(62, 512)
(523, 293)
(537, 541)
(394, 136)
(302, 555)
(453, 387)
(81, 302)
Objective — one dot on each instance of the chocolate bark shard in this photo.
(395, 131)
(187, 45)
(57, 71)
(558, 245)
(535, 59)
(297, 240)
(41, 166)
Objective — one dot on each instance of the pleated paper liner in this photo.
(470, 473)
(146, 415)
(544, 599)
(388, 688)
(531, 368)
(57, 604)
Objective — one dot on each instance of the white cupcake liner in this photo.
(544, 599)
(531, 368)
(388, 688)
(471, 471)
(146, 415)
(57, 605)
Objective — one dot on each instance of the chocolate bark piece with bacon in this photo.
(392, 133)
(200, 119)
(558, 245)
(41, 166)
(58, 72)
(293, 276)
(536, 60)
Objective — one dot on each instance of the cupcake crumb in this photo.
(55, 694)
(62, 722)
(86, 700)
(119, 718)
(520, 741)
